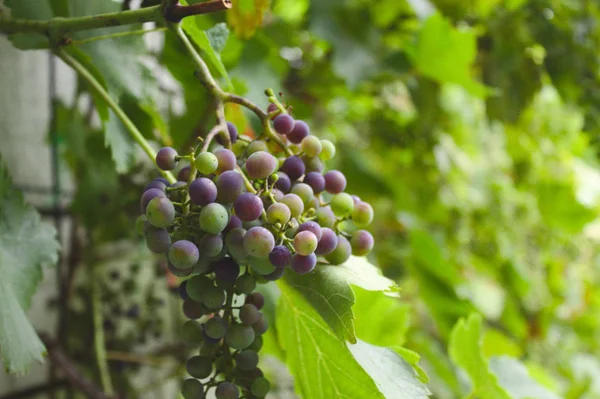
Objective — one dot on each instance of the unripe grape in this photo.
(148, 196)
(230, 185)
(165, 158)
(327, 151)
(280, 256)
(197, 286)
(210, 245)
(342, 204)
(293, 167)
(316, 181)
(160, 212)
(140, 224)
(235, 244)
(227, 390)
(325, 217)
(261, 266)
(362, 243)
(248, 207)
(341, 253)
(261, 325)
(226, 160)
(256, 146)
(239, 147)
(312, 164)
(305, 243)
(199, 366)
(279, 213)
(257, 299)
(203, 191)
(191, 332)
(304, 191)
(299, 132)
(239, 336)
(183, 254)
(295, 204)
(206, 163)
(335, 182)
(327, 243)
(215, 328)
(184, 174)
(213, 218)
(257, 344)
(303, 264)
(259, 242)
(311, 146)
(249, 314)
(245, 284)
(313, 227)
(283, 123)
(246, 360)
(192, 389)
(179, 272)
(362, 215)
(213, 298)
(158, 240)
(260, 387)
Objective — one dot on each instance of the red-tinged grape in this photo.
(305, 243)
(299, 132)
(261, 165)
(362, 215)
(230, 185)
(226, 160)
(280, 256)
(246, 360)
(295, 204)
(227, 390)
(293, 167)
(257, 299)
(311, 146)
(213, 218)
(227, 270)
(210, 245)
(248, 314)
(316, 181)
(342, 204)
(303, 264)
(304, 191)
(341, 253)
(356, 199)
(158, 240)
(184, 174)
(206, 163)
(362, 243)
(259, 242)
(327, 243)
(283, 182)
(283, 123)
(279, 213)
(202, 191)
(327, 151)
(148, 196)
(183, 254)
(261, 326)
(166, 158)
(248, 207)
(335, 181)
(239, 336)
(160, 212)
(313, 227)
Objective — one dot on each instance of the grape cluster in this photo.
(240, 216)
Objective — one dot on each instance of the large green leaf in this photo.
(26, 245)
(466, 352)
(514, 377)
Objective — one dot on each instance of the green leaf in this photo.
(29, 9)
(466, 352)
(320, 362)
(393, 375)
(328, 290)
(291, 10)
(514, 377)
(217, 36)
(446, 54)
(26, 245)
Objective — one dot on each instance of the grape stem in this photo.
(129, 125)
(247, 182)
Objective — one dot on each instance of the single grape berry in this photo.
(213, 298)
(304, 191)
(316, 181)
(283, 182)
(257, 299)
(311, 146)
(202, 191)
(294, 203)
(335, 181)
(245, 284)
(362, 243)
(248, 207)
(199, 366)
(261, 165)
(226, 160)
(272, 108)
(193, 310)
(303, 264)
(192, 389)
(325, 217)
(227, 390)
(341, 253)
(233, 134)
(160, 212)
(197, 286)
(261, 325)
(275, 275)
(210, 245)
(184, 174)
(156, 184)
(256, 344)
(327, 243)
(312, 164)
(362, 215)
(227, 270)
(249, 314)
(148, 196)
(305, 243)
(299, 132)
(246, 360)
(342, 204)
(256, 146)
(260, 387)
(158, 240)
(239, 336)
(235, 244)
(183, 254)
(191, 332)
(293, 167)
(230, 185)
(283, 124)
(327, 151)
(313, 227)
(213, 218)
(206, 163)
(279, 213)
(141, 223)
(166, 158)
(215, 328)
(259, 242)
(280, 256)
(234, 223)
(261, 265)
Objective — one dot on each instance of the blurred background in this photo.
(471, 126)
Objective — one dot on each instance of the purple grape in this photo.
(283, 123)
(257, 299)
(148, 196)
(166, 158)
(327, 243)
(234, 223)
(316, 181)
(182, 291)
(162, 180)
(261, 165)
(227, 390)
(283, 182)
(275, 275)
(158, 240)
(202, 191)
(299, 132)
(313, 227)
(233, 134)
(226, 160)
(156, 184)
(184, 173)
(304, 264)
(356, 199)
(293, 167)
(305, 243)
(227, 270)
(280, 256)
(248, 207)
(183, 254)
(341, 253)
(362, 243)
(259, 242)
(229, 186)
(335, 181)
(192, 310)
(272, 108)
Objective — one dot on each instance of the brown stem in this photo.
(178, 12)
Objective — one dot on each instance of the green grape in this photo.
(327, 151)
(199, 366)
(341, 253)
(206, 163)
(311, 146)
(223, 364)
(245, 284)
(183, 254)
(304, 191)
(213, 218)
(197, 286)
(192, 389)
(239, 336)
(261, 326)
(191, 332)
(278, 213)
(342, 204)
(140, 223)
(235, 244)
(227, 390)
(362, 215)
(257, 343)
(209, 348)
(246, 360)
(213, 298)
(261, 265)
(259, 242)
(215, 328)
(305, 243)
(325, 217)
(295, 204)
(160, 212)
(260, 387)
(239, 147)
(255, 146)
(210, 245)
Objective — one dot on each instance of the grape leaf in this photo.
(26, 245)
(321, 363)
(328, 290)
(217, 36)
(466, 352)
(393, 375)
(515, 379)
